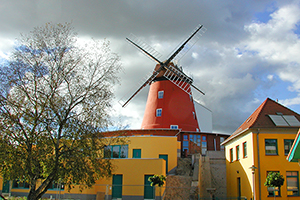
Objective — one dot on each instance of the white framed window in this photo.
(222, 139)
(158, 112)
(173, 126)
(160, 94)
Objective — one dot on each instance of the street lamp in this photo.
(253, 168)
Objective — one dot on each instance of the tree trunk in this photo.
(36, 194)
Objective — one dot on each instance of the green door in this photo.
(136, 153)
(165, 157)
(117, 186)
(239, 188)
(5, 187)
(148, 189)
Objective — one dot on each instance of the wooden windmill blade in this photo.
(179, 78)
(189, 43)
(181, 47)
(172, 73)
(152, 53)
(125, 100)
(144, 47)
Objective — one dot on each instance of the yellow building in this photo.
(259, 146)
(143, 156)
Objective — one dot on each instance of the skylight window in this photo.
(285, 120)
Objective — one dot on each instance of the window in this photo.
(174, 127)
(237, 152)
(19, 184)
(160, 94)
(222, 139)
(136, 153)
(231, 155)
(116, 151)
(271, 146)
(185, 137)
(56, 186)
(158, 112)
(287, 146)
(272, 190)
(204, 145)
(292, 183)
(185, 144)
(245, 149)
(284, 120)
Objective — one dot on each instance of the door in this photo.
(136, 153)
(165, 157)
(239, 188)
(148, 189)
(5, 187)
(117, 186)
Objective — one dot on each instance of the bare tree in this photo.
(55, 100)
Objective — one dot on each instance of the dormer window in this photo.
(173, 126)
(160, 94)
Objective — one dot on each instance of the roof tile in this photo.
(260, 119)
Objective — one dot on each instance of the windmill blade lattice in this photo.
(172, 73)
(191, 42)
(143, 46)
(142, 83)
(180, 79)
(180, 82)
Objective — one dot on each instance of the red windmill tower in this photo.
(170, 102)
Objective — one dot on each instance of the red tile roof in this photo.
(260, 119)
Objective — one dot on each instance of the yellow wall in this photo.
(1, 183)
(239, 168)
(275, 162)
(133, 169)
(267, 162)
(153, 146)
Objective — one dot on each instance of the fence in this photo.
(126, 192)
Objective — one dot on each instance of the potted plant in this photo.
(158, 180)
(274, 180)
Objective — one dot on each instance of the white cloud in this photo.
(270, 77)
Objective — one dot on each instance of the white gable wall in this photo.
(204, 118)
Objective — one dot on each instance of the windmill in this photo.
(169, 103)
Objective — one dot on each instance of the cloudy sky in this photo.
(250, 51)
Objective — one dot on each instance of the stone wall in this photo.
(212, 174)
(177, 187)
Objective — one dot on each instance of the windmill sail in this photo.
(194, 37)
(145, 81)
(172, 73)
(144, 47)
(180, 79)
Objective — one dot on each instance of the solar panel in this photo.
(278, 120)
(291, 120)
